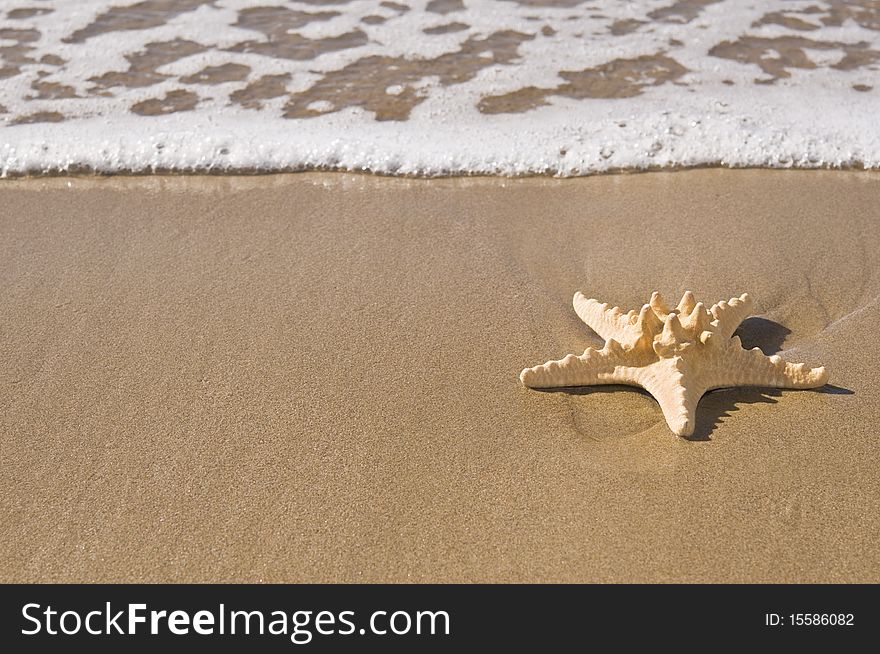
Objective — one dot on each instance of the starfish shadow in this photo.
(713, 408)
(768, 335)
(719, 404)
(715, 405)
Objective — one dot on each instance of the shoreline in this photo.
(86, 172)
(313, 377)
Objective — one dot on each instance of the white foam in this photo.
(812, 119)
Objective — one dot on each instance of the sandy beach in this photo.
(313, 377)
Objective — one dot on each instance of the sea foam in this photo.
(439, 87)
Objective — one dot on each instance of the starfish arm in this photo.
(593, 367)
(728, 315)
(677, 395)
(606, 321)
(738, 367)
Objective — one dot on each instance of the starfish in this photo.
(677, 355)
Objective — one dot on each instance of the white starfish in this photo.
(676, 355)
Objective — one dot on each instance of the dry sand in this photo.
(314, 378)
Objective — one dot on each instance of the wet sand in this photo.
(314, 378)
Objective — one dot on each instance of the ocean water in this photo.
(437, 87)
